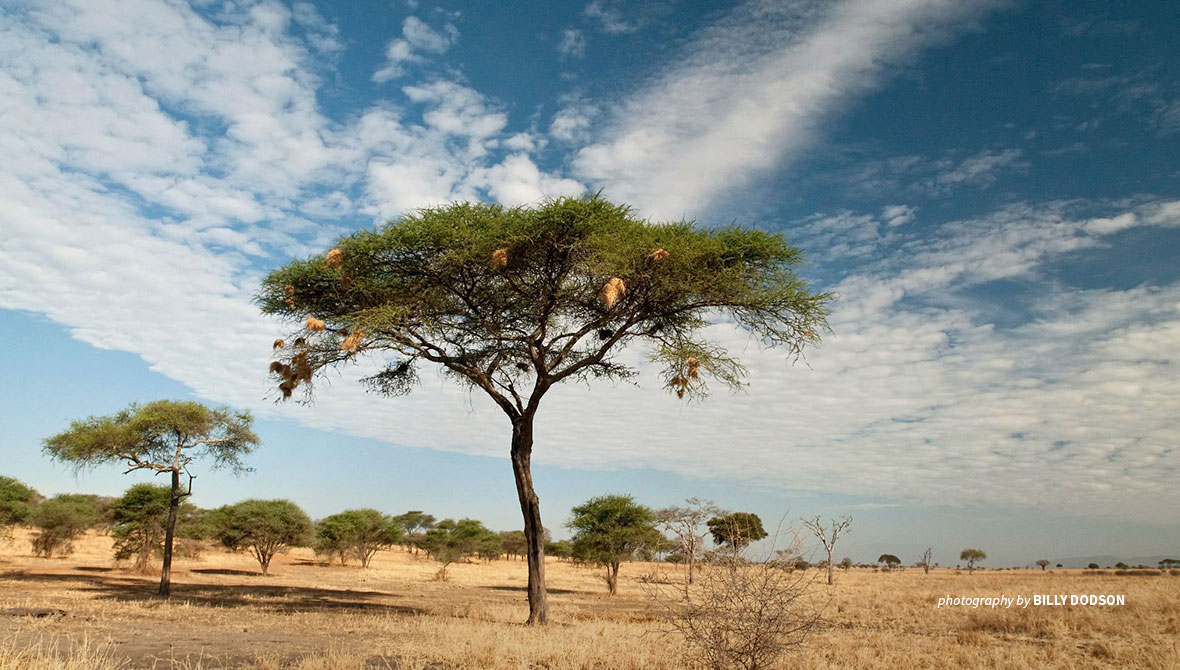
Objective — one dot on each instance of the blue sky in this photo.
(990, 187)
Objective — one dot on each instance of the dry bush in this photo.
(742, 614)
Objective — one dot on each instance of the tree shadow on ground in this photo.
(522, 589)
(285, 599)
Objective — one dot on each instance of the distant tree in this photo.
(515, 543)
(1044, 563)
(359, 532)
(1168, 563)
(736, 530)
(1121, 566)
(16, 502)
(684, 523)
(889, 560)
(1092, 566)
(828, 536)
(559, 549)
(139, 522)
(514, 301)
(162, 436)
(265, 527)
(924, 562)
(610, 529)
(972, 556)
(414, 523)
(845, 563)
(61, 520)
(452, 541)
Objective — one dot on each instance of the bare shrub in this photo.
(743, 614)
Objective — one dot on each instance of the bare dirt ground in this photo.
(394, 614)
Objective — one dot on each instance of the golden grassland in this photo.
(394, 614)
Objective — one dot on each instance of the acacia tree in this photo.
(609, 530)
(513, 301)
(265, 527)
(685, 523)
(828, 537)
(363, 532)
(16, 503)
(139, 520)
(889, 560)
(1044, 563)
(161, 436)
(736, 530)
(972, 556)
(451, 541)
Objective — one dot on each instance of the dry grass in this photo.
(393, 615)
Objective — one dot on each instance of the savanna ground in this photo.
(224, 614)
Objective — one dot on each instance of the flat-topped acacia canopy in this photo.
(515, 300)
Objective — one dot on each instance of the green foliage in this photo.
(61, 520)
(415, 521)
(889, 560)
(265, 527)
(139, 520)
(16, 503)
(972, 556)
(559, 549)
(514, 542)
(426, 288)
(611, 529)
(159, 436)
(358, 532)
(736, 530)
(451, 541)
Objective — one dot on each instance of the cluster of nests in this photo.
(681, 381)
(293, 373)
(614, 288)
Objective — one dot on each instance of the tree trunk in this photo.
(830, 566)
(612, 578)
(530, 506)
(169, 531)
(690, 566)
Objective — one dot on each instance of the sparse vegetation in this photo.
(61, 520)
(452, 541)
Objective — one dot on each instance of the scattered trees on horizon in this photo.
(828, 536)
(264, 527)
(972, 556)
(736, 530)
(164, 436)
(513, 301)
(610, 529)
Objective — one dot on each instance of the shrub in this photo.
(451, 541)
(61, 520)
(265, 527)
(16, 504)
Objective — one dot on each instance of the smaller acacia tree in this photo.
(924, 562)
(451, 541)
(139, 522)
(1044, 563)
(362, 532)
(16, 503)
(972, 556)
(609, 530)
(162, 436)
(889, 560)
(265, 527)
(415, 523)
(828, 537)
(515, 543)
(61, 520)
(845, 563)
(685, 524)
(736, 530)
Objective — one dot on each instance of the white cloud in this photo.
(572, 44)
(750, 92)
(609, 15)
(571, 124)
(518, 181)
(898, 215)
(980, 169)
(416, 37)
